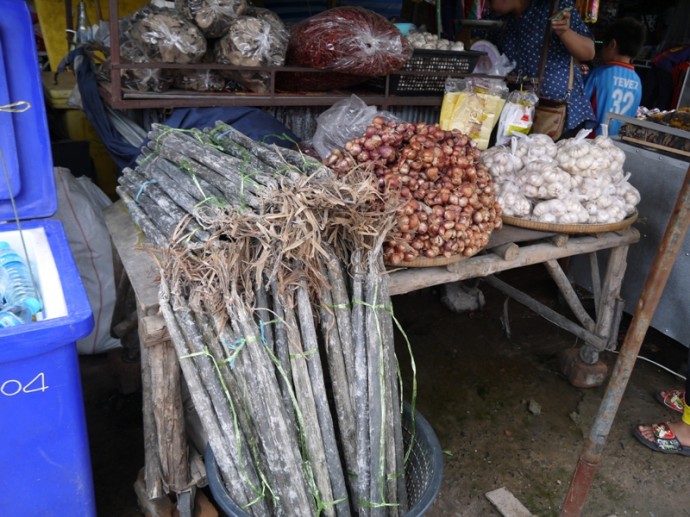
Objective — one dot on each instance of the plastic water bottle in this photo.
(84, 31)
(16, 284)
(13, 316)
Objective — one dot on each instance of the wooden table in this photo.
(515, 247)
(167, 454)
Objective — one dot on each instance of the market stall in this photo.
(262, 270)
(509, 248)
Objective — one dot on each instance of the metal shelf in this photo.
(119, 98)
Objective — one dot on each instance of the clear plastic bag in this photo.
(345, 120)
(258, 38)
(199, 80)
(165, 35)
(142, 79)
(352, 40)
(517, 115)
(473, 107)
(213, 17)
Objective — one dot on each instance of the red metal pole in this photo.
(646, 306)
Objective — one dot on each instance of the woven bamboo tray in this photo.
(432, 262)
(569, 228)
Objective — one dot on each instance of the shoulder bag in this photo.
(550, 114)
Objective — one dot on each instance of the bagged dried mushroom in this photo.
(258, 38)
(213, 17)
(199, 80)
(166, 36)
(142, 79)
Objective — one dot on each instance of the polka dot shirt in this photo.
(522, 39)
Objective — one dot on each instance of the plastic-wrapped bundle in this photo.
(213, 17)
(199, 80)
(166, 36)
(142, 79)
(258, 38)
(352, 40)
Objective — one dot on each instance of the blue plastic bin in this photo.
(45, 467)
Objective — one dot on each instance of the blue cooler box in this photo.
(45, 468)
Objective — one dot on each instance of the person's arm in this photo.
(580, 47)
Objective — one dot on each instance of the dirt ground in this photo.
(475, 387)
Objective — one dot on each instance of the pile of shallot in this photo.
(444, 196)
(577, 181)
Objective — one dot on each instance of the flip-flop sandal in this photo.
(664, 440)
(672, 399)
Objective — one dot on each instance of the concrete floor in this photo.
(475, 387)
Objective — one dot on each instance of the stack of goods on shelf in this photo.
(677, 119)
(219, 31)
(352, 42)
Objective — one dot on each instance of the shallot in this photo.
(444, 196)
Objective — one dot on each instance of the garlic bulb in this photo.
(550, 181)
(502, 164)
(536, 147)
(429, 41)
(514, 204)
(562, 211)
(629, 195)
(574, 181)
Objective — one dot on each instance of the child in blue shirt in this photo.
(615, 86)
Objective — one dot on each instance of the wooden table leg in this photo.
(168, 414)
(609, 304)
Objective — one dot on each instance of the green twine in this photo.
(413, 365)
(304, 355)
(260, 494)
(278, 136)
(238, 345)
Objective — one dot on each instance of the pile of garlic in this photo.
(428, 41)
(576, 181)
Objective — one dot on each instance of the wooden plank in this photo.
(407, 280)
(507, 504)
(516, 234)
(596, 280)
(507, 251)
(566, 289)
(610, 292)
(547, 313)
(173, 451)
(153, 330)
(672, 150)
(155, 486)
(140, 265)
